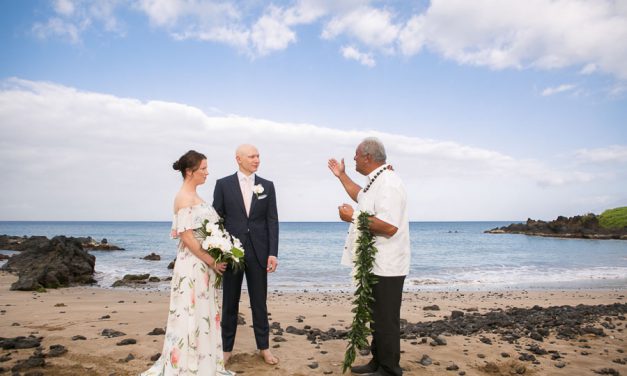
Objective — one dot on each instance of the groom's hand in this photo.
(273, 263)
(337, 168)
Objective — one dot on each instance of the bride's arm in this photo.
(191, 243)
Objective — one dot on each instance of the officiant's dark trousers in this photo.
(386, 336)
(257, 284)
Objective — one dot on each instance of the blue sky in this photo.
(491, 110)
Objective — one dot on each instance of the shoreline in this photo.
(59, 315)
(572, 281)
(349, 290)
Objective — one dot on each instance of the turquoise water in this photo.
(445, 255)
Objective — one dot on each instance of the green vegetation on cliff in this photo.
(614, 218)
(612, 224)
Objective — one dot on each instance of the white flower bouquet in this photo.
(222, 246)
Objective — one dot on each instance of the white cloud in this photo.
(499, 34)
(270, 33)
(413, 36)
(352, 53)
(229, 35)
(64, 7)
(306, 12)
(558, 89)
(92, 156)
(256, 35)
(589, 69)
(74, 17)
(209, 21)
(171, 13)
(162, 13)
(614, 153)
(543, 34)
(373, 27)
(56, 27)
(103, 11)
(617, 90)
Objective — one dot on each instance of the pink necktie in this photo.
(248, 195)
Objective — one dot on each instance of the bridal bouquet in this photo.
(222, 246)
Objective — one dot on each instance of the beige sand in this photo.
(58, 315)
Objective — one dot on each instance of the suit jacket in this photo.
(261, 226)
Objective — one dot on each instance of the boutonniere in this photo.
(257, 190)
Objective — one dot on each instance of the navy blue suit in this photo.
(259, 234)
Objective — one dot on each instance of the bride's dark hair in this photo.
(190, 160)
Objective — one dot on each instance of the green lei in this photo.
(365, 280)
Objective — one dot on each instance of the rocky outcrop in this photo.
(134, 280)
(580, 226)
(90, 244)
(152, 257)
(59, 262)
(21, 243)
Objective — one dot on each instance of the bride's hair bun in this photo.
(190, 160)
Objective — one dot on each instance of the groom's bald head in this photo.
(247, 157)
(244, 149)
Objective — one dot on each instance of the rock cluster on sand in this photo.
(20, 342)
(535, 323)
(133, 280)
(580, 226)
(567, 322)
(58, 262)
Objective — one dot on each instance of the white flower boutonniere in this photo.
(257, 190)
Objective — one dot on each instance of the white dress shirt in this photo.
(386, 199)
(246, 185)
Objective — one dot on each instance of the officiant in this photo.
(385, 198)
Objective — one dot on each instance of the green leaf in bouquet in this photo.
(238, 253)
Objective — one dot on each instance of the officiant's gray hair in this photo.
(373, 147)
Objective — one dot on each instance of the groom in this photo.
(248, 205)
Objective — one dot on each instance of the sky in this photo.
(489, 109)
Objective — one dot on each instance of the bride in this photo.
(193, 339)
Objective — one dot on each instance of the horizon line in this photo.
(303, 221)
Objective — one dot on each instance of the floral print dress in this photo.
(193, 339)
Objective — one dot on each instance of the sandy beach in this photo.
(59, 316)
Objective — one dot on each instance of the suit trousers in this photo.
(257, 283)
(386, 336)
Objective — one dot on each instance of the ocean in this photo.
(446, 256)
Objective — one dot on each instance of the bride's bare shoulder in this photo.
(183, 200)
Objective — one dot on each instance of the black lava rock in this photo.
(59, 262)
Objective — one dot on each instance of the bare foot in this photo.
(227, 356)
(268, 357)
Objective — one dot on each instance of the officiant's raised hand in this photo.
(336, 167)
